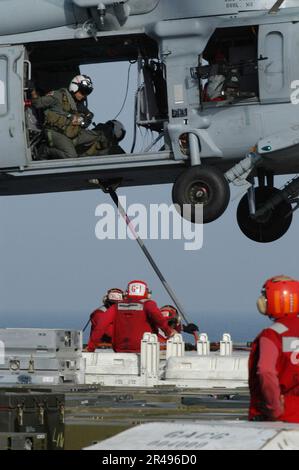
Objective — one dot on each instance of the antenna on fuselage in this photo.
(276, 7)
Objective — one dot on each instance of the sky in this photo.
(54, 271)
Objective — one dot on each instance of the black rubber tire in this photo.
(216, 192)
(273, 226)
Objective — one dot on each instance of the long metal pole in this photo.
(140, 242)
(86, 326)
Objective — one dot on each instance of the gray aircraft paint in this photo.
(38, 15)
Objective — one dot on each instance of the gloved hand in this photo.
(87, 120)
(190, 328)
(77, 120)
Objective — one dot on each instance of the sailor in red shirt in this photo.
(274, 359)
(134, 317)
(174, 321)
(100, 337)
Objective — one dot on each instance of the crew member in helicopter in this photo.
(66, 122)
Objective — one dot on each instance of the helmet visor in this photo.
(85, 87)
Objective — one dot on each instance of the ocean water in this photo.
(242, 327)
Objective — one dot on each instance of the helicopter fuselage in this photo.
(227, 83)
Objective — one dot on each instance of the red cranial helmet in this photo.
(171, 313)
(113, 296)
(279, 298)
(138, 290)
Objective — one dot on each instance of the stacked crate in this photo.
(40, 356)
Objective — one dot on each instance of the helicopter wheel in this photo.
(269, 227)
(204, 185)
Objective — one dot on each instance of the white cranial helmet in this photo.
(81, 83)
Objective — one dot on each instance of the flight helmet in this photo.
(113, 296)
(171, 313)
(138, 290)
(279, 297)
(81, 83)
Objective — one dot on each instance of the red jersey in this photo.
(274, 373)
(131, 319)
(98, 335)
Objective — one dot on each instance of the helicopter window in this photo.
(228, 68)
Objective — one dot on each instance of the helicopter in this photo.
(218, 84)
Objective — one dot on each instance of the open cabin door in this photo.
(12, 125)
(275, 42)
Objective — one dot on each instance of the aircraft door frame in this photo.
(274, 52)
(12, 119)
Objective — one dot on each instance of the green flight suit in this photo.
(63, 136)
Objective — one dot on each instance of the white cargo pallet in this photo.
(183, 372)
(209, 371)
(108, 368)
(109, 363)
(37, 356)
(153, 367)
(205, 435)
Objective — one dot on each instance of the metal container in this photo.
(40, 356)
(34, 412)
(23, 441)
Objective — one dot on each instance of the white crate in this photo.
(40, 356)
(208, 371)
(103, 363)
(42, 343)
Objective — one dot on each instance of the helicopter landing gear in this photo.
(201, 184)
(264, 226)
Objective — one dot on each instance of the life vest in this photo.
(285, 335)
(60, 117)
(131, 322)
